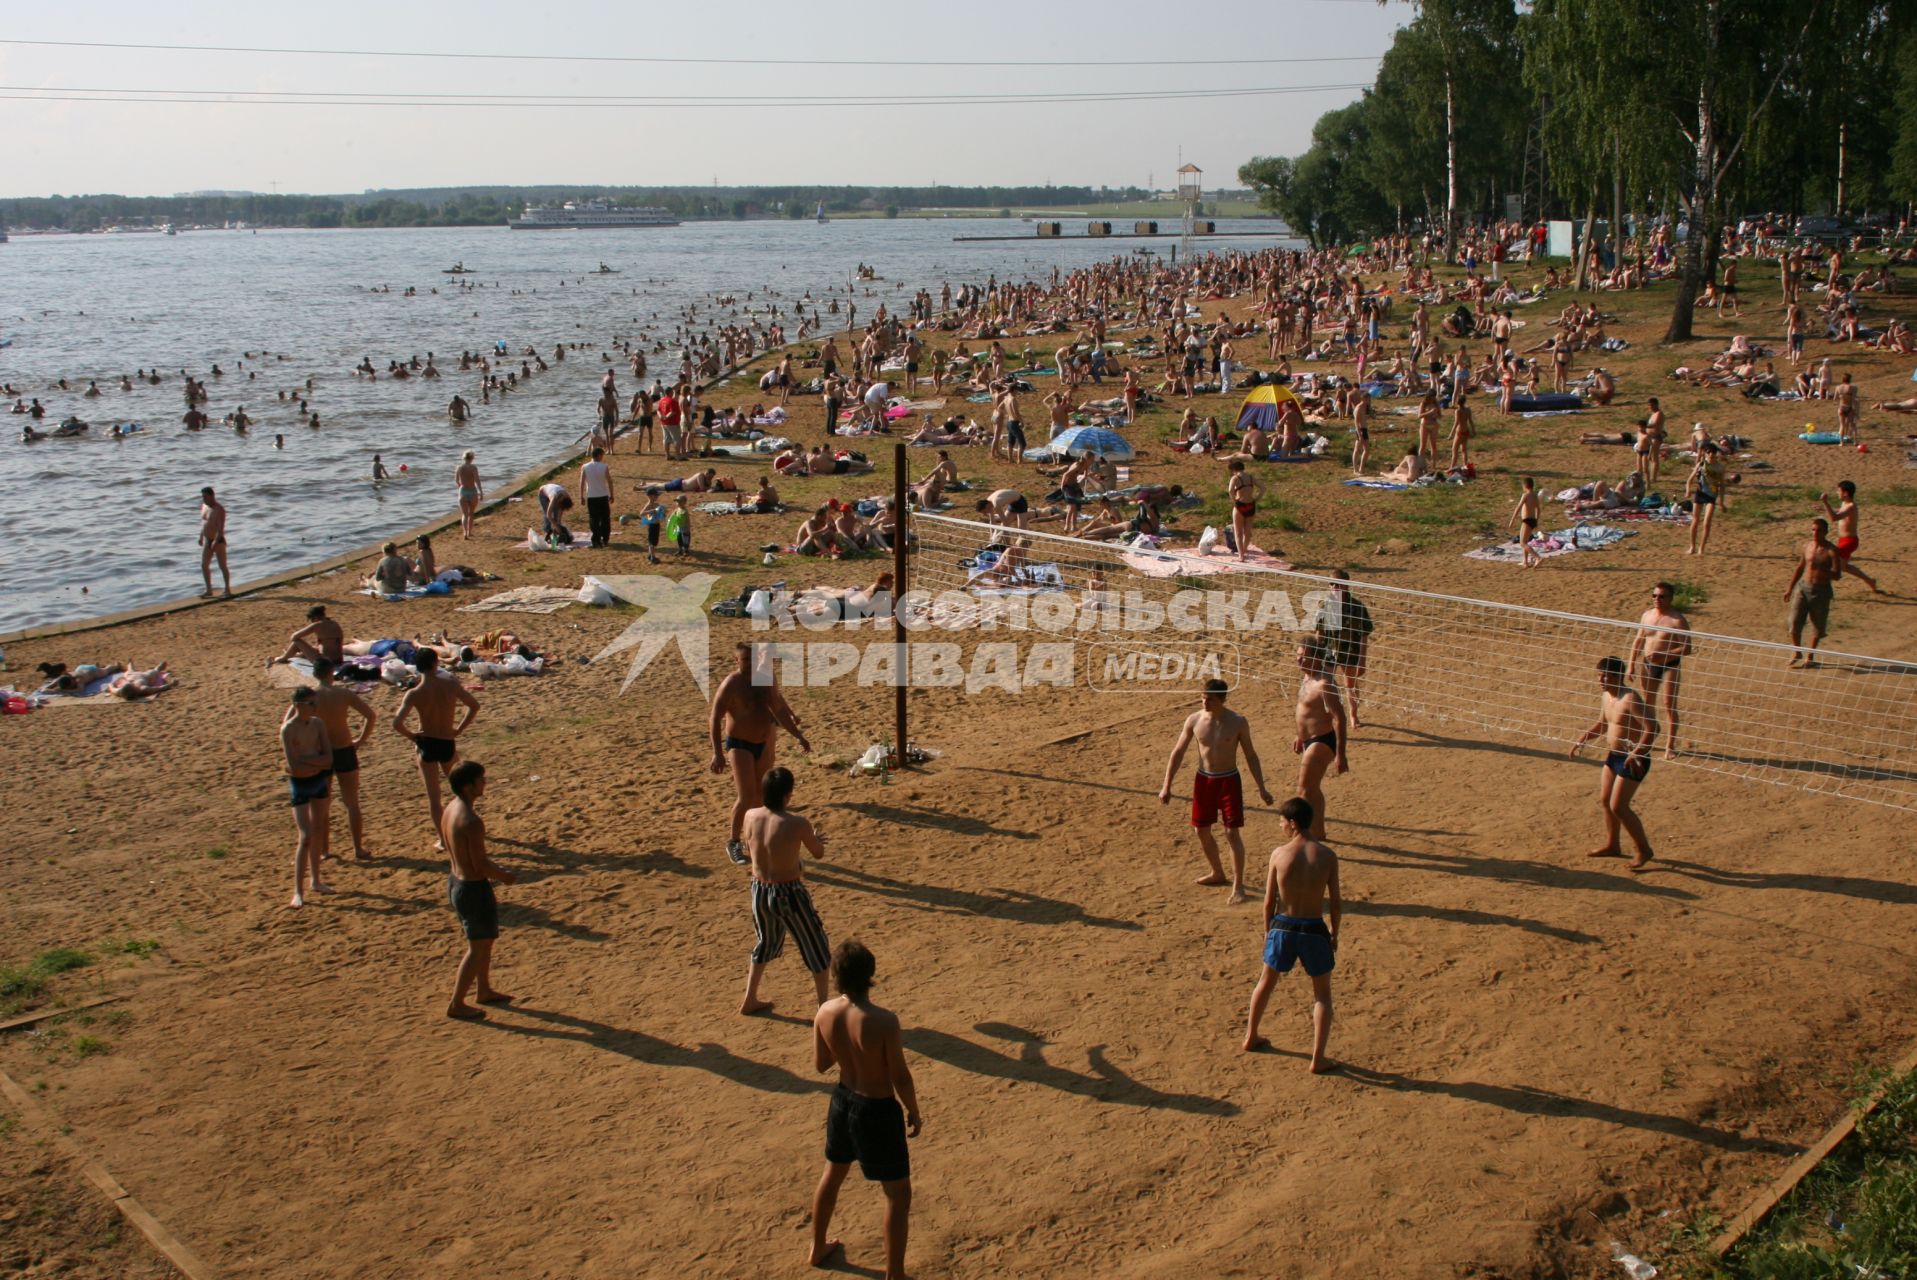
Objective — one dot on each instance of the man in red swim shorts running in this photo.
(1843, 518)
(1217, 792)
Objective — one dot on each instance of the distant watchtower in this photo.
(1191, 193)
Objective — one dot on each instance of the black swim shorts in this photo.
(345, 759)
(869, 1130)
(435, 750)
(317, 787)
(474, 904)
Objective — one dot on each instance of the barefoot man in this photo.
(864, 1121)
(469, 886)
(1217, 792)
(775, 842)
(335, 707)
(309, 763)
(1629, 727)
(435, 699)
(213, 541)
(1302, 876)
(1663, 639)
(1320, 741)
(1843, 518)
(1809, 593)
(748, 710)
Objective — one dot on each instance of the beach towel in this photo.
(412, 592)
(1549, 413)
(1372, 482)
(1161, 564)
(1030, 579)
(524, 600)
(1583, 537)
(93, 694)
(735, 509)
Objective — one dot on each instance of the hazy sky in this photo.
(148, 148)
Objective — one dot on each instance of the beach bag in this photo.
(1207, 541)
(594, 592)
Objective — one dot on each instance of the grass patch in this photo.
(88, 1046)
(26, 983)
(217, 852)
(131, 947)
(1856, 1214)
(60, 960)
(1902, 495)
(1689, 595)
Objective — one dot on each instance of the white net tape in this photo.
(1848, 728)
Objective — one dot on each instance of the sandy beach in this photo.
(1542, 1054)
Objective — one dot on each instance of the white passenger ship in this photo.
(590, 213)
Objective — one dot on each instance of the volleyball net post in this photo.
(901, 535)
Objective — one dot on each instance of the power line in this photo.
(301, 98)
(707, 62)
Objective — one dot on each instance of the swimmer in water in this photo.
(379, 469)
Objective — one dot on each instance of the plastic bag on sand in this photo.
(873, 761)
(1207, 540)
(1634, 1266)
(593, 591)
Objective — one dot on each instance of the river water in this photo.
(119, 517)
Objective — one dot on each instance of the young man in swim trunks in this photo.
(1320, 741)
(748, 711)
(435, 699)
(1629, 727)
(776, 841)
(1663, 639)
(864, 1121)
(335, 706)
(213, 541)
(309, 763)
(1244, 491)
(1809, 592)
(1217, 792)
(1843, 518)
(469, 887)
(1300, 883)
(318, 642)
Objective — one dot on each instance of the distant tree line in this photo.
(491, 206)
(1697, 111)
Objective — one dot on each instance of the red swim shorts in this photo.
(1845, 548)
(1215, 796)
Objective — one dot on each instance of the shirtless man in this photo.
(1525, 520)
(1004, 507)
(1320, 741)
(1844, 517)
(1302, 876)
(466, 476)
(457, 408)
(318, 642)
(775, 842)
(1809, 593)
(864, 1120)
(1345, 626)
(309, 763)
(1244, 491)
(213, 541)
(435, 698)
(748, 710)
(335, 707)
(1217, 792)
(469, 887)
(1629, 726)
(1663, 639)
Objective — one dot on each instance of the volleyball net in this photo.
(1519, 675)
